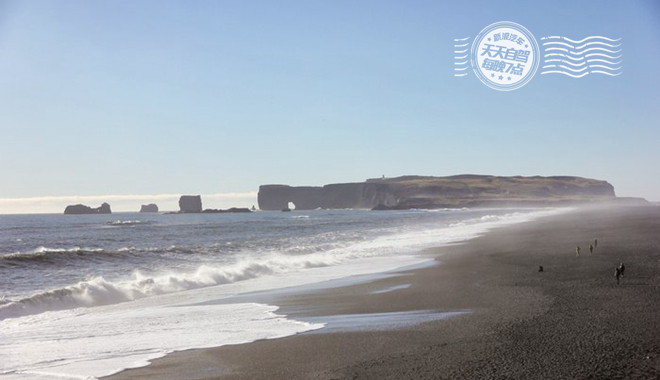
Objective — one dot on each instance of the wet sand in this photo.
(571, 321)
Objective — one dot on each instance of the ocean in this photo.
(85, 296)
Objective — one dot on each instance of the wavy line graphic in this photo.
(582, 52)
(576, 51)
(607, 68)
(559, 43)
(604, 55)
(581, 41)
(562, 50)
(580, 47)
(554, 69)
(603, 49)
(566, 62)
(582, 63)
(602, 72)
(602, 60)
(597, 43)
(457, 58)
(565, 56)
(565, 73)
(573, 70)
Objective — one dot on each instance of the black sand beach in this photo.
(571, 321)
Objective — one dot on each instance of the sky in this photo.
(120, 98)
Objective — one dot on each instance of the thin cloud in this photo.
(120, 203)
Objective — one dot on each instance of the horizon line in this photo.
(54, 204)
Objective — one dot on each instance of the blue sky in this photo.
(165, 97)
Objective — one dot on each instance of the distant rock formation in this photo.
(458, 191)
(84, 210)
(152, 207)
(190, 204)
(229, 210)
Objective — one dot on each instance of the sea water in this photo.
(85, 296)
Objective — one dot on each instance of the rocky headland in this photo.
(423, 192)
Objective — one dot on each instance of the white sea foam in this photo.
(99, 291)
(86, 343)
(126, 222)
(41, 252)
(182, 310)
(65, 250)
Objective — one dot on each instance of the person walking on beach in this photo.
(622, 269)
(595, 242)
(617, 274)
(577, 251)
(591, 248)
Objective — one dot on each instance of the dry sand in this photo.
(571, 321)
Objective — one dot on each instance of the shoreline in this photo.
(213, 317)
(563, 323)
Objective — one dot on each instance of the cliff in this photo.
(149, 208)
(409, 192)
(84, 210)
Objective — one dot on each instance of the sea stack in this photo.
(190, 204)
(85, 210)
(152, 207)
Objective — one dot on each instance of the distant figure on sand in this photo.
(591, 248)
(577, 251)
(540, 268)
(622, 268)
(595, 242)
(617, 274)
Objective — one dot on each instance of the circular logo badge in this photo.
(505, 56)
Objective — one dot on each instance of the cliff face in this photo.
(438, 192)
(83, 210)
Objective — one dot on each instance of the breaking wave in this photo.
(48, 255)
(45, 255)
(98, 291)
(127, 222)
